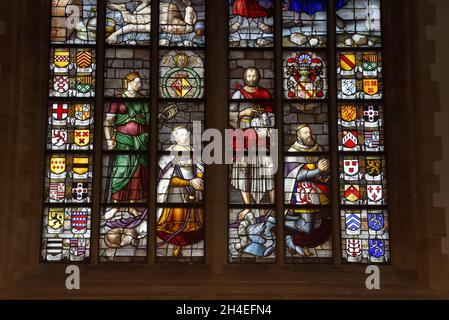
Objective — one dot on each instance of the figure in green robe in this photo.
(126, 129)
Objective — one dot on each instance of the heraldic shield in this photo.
(84, 83)
(81, 165)
(349, 87)
(371, 114)
(376, 222)
(349, 113)
(351, 167)
(373, 167)
(82, 112)
(352, 193)
(354, 249)
(80, 191)
(306, 90)
(376, 250)
(347, 61)
(370, 62)
(57, 164)
(55, 221)
(181, 87)
(62, 58)
(59, 137)
(53, 251)
(350, 139)
(371, 86)
(375, 192)
(353, 223)
(78, 221)
(60, 111)
(82, 137)
(77, 248)
(84, 59)
(304, 76)
(372, 139)
(61, 83)
(56, 191)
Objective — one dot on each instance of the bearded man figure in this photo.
(251, 89)
(306, 176)
(305, 141)
(252, 176)
(306, 184)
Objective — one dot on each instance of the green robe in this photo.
(125, 165)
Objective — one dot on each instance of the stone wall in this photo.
(437, 32)
(120, 63)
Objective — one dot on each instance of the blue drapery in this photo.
(311, 7)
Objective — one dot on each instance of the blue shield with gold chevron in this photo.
(353, 223)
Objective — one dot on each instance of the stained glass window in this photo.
(252, 218)
(128, 22)
(311, 171)
(358, 23)
(361, 127)
(182, 23)
(305, 75)
(125, 164)
(72, 72)
(307, 163)
(70, 126)
(181, 74)
(359, 75)
(304, 23)
(181, 216)
(71, 109)
(73, 22)
(121, 65)
(126, 110)
(362, 165)
(251, 23)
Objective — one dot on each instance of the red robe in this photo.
(253, 139)
(251, 9)
(259, 94)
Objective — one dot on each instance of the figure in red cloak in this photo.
(252, 9)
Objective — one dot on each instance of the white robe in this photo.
(169, 194)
